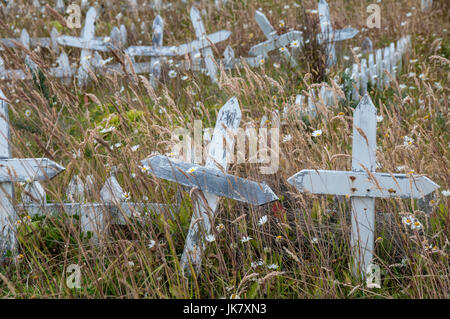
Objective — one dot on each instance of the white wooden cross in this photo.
(94, 217)
(15, 170)
(329, 35)
(363, 184)
(212, 180)
(274, 41)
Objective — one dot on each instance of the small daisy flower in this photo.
(276, 65)
(135, 148)
(281, 24)
(295, 44)
(316, 133)
(235, 296)
(287, 138)
(126, 196)
(145, 169)
(184, 77)
(315, 240)
(416, 225)
(379, 118)
(210, 238)
(255, 264)
(172, 74)
(446, 192)
(246, 239)
(407, 141)
(27, 113)
(220, 227)
(272, 266)
(407, 220)
(262, 220)
(278, 238)
(130, 263)
(282, 49)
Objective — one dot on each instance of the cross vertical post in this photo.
(87, 34)
(207, 53)
(363, 160)
(157, 41)
(8, 214)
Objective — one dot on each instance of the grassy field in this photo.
(302, 251)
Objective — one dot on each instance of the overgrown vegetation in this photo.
(304, 245)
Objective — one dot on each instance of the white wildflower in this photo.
(262, 220)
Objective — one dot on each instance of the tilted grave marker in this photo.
(271, 33)
(329, 35)
(15, 170)
(274, 41)
(94, 217)
(212, 180)
(363, 184)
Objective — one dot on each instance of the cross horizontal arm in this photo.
(210, 179)
(127, 209)
(360, 184)
(276, 43)
(28, 169)
(181, 49)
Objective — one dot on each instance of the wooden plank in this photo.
(207, 53)
(157, 41)
(87, 35)
(380, 74)
(372, 70)
(386, 66)
(28, 169)
(344, 34)
(327, 33)
(180, 50)
(8, 216)
(209, 179)
(363, 76)
(364, 147)
(34, 193)
(382, 185)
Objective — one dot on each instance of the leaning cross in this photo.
(274, 41)
(329, 35)
(271, 33)
(15, 170)
(363, 184)
(212, 180)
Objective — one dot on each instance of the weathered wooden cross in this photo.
(95, 217)
(363, 184)
(212, 180)
(15, 170)
(329, 35)
(274, 41)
